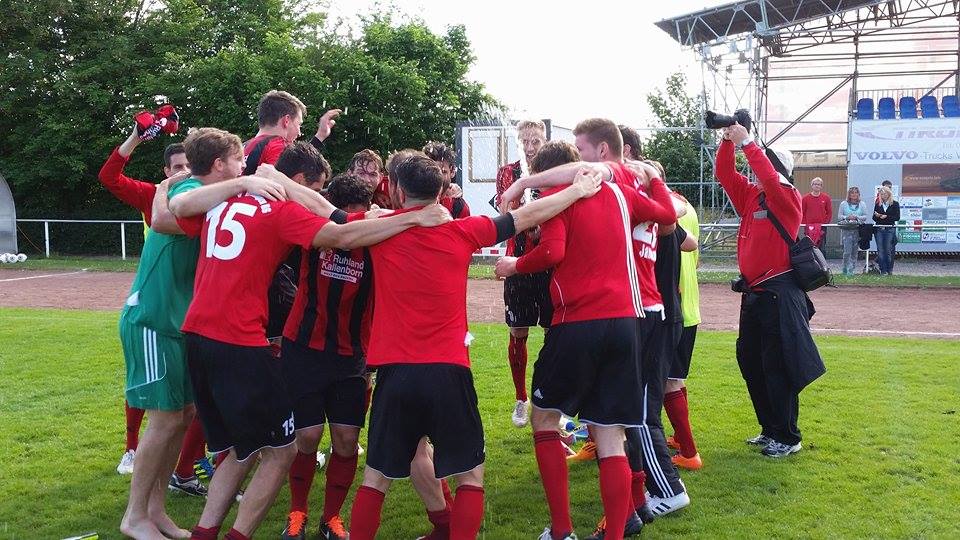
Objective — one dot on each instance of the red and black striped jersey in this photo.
(333, 309)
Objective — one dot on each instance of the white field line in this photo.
(44, 276)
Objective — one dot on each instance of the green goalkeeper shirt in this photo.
(163, 287)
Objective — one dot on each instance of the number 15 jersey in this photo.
(242, 241)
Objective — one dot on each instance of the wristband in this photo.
(746, 141)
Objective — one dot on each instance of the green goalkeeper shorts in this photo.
(157, 375)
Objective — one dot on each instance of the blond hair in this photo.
(532, 124)
(204, 146)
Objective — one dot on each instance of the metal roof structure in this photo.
(744, 46)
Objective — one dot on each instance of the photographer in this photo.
(775, 351)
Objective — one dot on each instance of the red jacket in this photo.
(761, 251)
(136, 193)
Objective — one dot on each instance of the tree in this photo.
(73, 72)
(679, 151)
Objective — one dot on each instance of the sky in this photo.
(558, 59)
(569, 60)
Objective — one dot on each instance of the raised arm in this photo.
(367, 232)
(736, 185)
(585, 184)
(135, 193)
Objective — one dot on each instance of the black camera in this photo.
(717, 121)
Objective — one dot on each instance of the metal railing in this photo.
(47, 222)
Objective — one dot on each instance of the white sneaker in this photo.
(520, 416)
(321, 460)
(548, 535)
(126, 462)
(660, 507)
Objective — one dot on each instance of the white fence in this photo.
(47, 222)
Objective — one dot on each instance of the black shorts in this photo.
(591, 369)
(240, 396)
(324, 387)
(684, 353)
(526, 300)
(411, 401)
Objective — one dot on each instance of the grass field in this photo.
(485, 271)
(879, 458)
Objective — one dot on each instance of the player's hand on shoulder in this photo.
(433, 215)
(176, 179)
(643, 172)
(511, 195)
(265, 170)
(587, 182)
(265, 187)
(505, 267)
(375, 212)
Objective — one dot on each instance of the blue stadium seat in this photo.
(929, 108)
(865, 109)
(908, 107)
(885, 109)
(951, 107)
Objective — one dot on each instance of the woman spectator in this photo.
(886, 214)
(852, 214)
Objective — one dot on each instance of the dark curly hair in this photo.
(440, 152)
(347, 189)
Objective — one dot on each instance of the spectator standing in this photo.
(852, 214)
(886, 214)
(817, 211)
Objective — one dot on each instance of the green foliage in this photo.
(879, 453)
(679, 151)
(73, 72)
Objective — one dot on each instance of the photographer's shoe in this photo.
(778, 450)
(759, 440)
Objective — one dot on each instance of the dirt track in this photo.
(847, 310)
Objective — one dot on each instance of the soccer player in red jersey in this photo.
(526, 297)
(589, 364)
(140, 195)
(324, 365)
(239, 391)
(452, 198)
(420, 347)
(280, 116)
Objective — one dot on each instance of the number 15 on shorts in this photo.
(288, 427)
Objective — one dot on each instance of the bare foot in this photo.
(140, 530)
(169, 529)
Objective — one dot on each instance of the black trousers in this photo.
(658, 339)
(760, 356)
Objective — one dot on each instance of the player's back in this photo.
(420, 285)
(242, 242)
(597, 277)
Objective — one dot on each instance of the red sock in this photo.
(302, 469)
(467, 513)
(517, 354)
(340, 473)
(365, 514)
(218, 459)
(134, 418)
(675, 404)
(191, 450)
(447, 494)
(637, 481)
(615, 493)
(199, 533)
(441, 524)
(233, 534)
(552, 461)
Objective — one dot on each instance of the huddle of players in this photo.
(250, 404)
(615, 330)
(194, 329)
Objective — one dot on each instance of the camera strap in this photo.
(776, 222)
